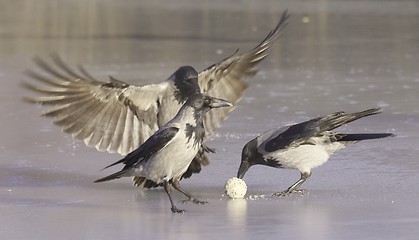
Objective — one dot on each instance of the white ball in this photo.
(235, 188)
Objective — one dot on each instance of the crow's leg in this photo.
(191, 198)
(295, 186)
(174, 208)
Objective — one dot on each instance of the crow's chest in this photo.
(194, 134)
(172, 161)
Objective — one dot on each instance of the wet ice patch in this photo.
(249, 99)
(383, 104)
(283, 109)
(46, 128)
(232, 136)
(257, 197)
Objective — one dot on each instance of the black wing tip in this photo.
(108, 178)
(284, 17)
(376, 110)
(60, 68)
(99, 180)
(368, 112)
(112, 176)
(389, 135)
(113, 164)
(27, 85)
(41, 63)
(53, 55)
(276, 32)
(30, 100)
(30, 87)
(283, 21)
(363, 136)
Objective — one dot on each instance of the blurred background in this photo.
(334, 55)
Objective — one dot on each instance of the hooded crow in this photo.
(118, 117)
(303, 146)
(165, 156)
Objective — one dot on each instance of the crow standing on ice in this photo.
(119, 117)
(166, 155)
(303, 146)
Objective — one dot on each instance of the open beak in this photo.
(244, 166)
(217, 103)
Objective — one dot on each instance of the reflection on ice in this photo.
(257, 197)
(314, 222)
(237, 211)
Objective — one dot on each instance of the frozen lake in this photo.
(333, 56)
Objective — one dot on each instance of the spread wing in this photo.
(226, 79)
(112, 116)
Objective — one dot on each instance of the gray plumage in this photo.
(303, 146)
(119, 117)
(165, 156)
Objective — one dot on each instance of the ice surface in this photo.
(349, 55)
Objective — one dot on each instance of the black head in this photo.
(203, 103)
(186, 83)
(250, 157)
(197, 105)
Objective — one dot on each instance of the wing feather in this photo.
(118, 117)
(119, 131)
(226, 79)
(108, 129)
(99, 123)
(110, 116)
(127, 139)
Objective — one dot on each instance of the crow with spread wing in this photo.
(165, 156)
(118, 117)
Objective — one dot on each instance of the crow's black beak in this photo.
(217, 103)
(244, 166)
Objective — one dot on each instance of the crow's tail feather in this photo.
(363, 136)
(111, 177)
